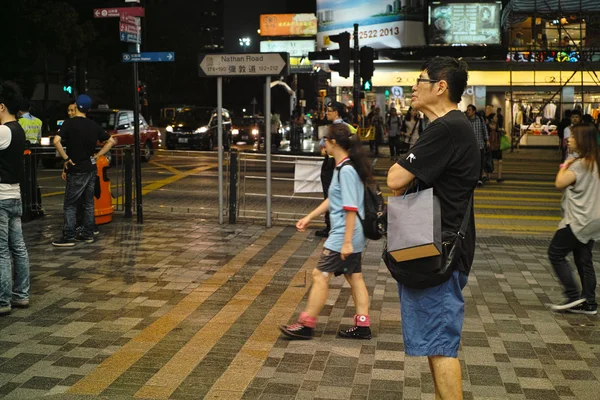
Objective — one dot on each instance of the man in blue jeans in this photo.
(12, 146)
(81, 134)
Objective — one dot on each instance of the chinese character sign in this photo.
(288, 25)
(464, 23)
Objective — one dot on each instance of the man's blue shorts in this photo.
(432, 318)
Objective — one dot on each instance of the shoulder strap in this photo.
(349, 162)
(466, 219)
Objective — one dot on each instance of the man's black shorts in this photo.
(331, 261)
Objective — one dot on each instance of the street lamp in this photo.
(245, 42)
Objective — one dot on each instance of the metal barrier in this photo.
(172, 182)
(287, 205)
(186, 182)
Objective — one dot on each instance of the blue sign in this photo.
(130, 38)
(156, 56)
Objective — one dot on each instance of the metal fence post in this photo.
(26, 185)
(128, 166)
(233, 181)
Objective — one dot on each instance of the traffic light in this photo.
(83, 80)
(367, 85)
(366, 63)
(71, 80)
(343, 39)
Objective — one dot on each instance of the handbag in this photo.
(504, 143)
(427, 272)
(488, 162)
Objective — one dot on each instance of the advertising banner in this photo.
(464, 23)
(382, 23)
(288, 25)
(296, 48)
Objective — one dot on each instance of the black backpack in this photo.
(375, 222)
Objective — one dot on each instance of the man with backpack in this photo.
(446, 159)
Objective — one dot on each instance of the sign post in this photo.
(244, 65)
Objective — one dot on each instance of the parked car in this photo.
(196, 128)
(251, 130)
(119, 124)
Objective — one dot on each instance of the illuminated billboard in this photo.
(460, 23)
(288, 25)
(382, 23)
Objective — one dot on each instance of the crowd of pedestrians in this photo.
(447, 155)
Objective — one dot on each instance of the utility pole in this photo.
(356, 91)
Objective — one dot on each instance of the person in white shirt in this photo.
(575, 120)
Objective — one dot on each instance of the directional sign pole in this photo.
(268, 145)
(220, 143)
(136, 147)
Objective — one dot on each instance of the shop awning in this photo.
(517, 9)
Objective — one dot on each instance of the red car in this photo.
(119, 124)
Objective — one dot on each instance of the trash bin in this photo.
(103, 207)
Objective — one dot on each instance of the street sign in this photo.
(260, 64)
(127, 28)
(130, 37)
(160, 56)
(115, 12)
(129, 19)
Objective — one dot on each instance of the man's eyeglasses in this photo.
(426, 80)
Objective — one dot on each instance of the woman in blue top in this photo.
(346, 242)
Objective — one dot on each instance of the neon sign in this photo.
(544, 56)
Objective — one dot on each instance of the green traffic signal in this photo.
(367, 85)
(68, 89)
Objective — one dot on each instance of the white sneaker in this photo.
(567, 304)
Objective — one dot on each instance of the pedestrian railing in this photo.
(287, 203)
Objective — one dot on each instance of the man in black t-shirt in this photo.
(81, 134)
(445, 158)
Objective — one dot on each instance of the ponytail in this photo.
(360, 160)
(352, 144)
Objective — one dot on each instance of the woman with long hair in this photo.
(343, 249)
(579, 178)
(413, 127)
(496, 133)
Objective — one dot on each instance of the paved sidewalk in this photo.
(187, 309)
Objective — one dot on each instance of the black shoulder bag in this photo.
(427, 272)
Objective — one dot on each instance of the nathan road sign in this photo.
(149, 56)
(115, 12)
(242, 64)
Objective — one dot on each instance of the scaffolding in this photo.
(570, 50)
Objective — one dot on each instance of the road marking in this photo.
(516, 208)
(50, 194)
(167, 167)
(519, 228)
(251, 357)
(519, 192)
(518, 217)
(120, 361)
(517, 199)
(173, 373)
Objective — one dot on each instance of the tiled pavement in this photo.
(187, 309)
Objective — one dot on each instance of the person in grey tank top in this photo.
(579, 179)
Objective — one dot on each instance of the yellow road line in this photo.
(50, 194)
(517, 199)
(520, 228)
(248, 362)
(174, 372)
(518, 217)
(167, 167)
(519, 192)
(114, 366)
(166, 181)
(516, 208)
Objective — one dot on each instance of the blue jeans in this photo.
(79, 186)
(11, 241)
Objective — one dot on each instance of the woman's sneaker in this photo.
(356, 332)
(297, 331)
(567, 304)
(584, 308)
